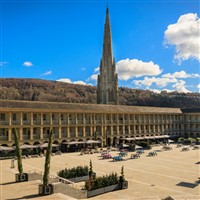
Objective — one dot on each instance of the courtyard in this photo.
(170, 173)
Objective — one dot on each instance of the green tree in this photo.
(47, 160)
(18, 151)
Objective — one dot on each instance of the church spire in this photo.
(107, 44)
(107, 88)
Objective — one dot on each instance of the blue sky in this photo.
(155, 43)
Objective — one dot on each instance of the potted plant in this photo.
(46, 188)
(21, 176)
(122, 182)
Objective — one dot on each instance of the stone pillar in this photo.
(41, 132)
(21, 118)
(76, 131)
(21, 134)
(10, 119)
(59, 132)
(31, 133)
(9, 134)
(68, 133)
(84, 133)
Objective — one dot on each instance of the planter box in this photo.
(102, 190)
(46, 190)
(21, 177)
(79, 179)
(123, 185)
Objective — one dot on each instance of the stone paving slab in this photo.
(167, 174)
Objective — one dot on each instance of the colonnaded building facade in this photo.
(105, 121)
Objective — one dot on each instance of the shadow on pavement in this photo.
(186, 184)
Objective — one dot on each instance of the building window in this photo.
(3, 117)
(53, 117)
(14, 117)
(24, 117)
(61, 117)
(34, 117)
(44, 117)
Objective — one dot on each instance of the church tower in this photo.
(107, 85)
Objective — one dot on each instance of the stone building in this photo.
(107, 123)
(79, 122)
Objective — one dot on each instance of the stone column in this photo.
(41, 132)
(59, 132)
(9, 134)
(31, 133)
(20, 134)
(10, 119)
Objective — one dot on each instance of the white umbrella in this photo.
(138, 147)
(45, 145)
(92, 142)
(75, 142)
(3, 148)
(125, 145)
(27, 146)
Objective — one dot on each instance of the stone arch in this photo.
(4, 145)
(36, 143)
(115, 141)
(108, 141)
(120, 139)
(27, 143)
(56, 142)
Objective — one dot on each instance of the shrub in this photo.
(74, 172)
(100, 182)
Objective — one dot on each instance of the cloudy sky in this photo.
(155, 43)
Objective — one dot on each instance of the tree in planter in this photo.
(123, 183)
(20, 176)
(46, 188)
(92, 175)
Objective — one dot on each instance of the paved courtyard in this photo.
(169, 173)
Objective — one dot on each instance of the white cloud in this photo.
(96, 69)
(198, 86)
(28, 64)
(128, 69)
(46, 73)
(79, 82)
(160, 82)
(185, 35)
(180, 86)
(83, 68)
(67, 80)
(3, 63)
(181, 74)
(93, 77)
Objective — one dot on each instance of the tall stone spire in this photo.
(107, 86)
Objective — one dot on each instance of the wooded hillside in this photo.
(53, 91)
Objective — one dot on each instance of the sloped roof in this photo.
(78, 107)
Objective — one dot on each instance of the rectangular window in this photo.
(44, 117)
(3, 117)
(53, 117)
(34, 117)
(14, 117)
(24, 117)
(61, 117)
